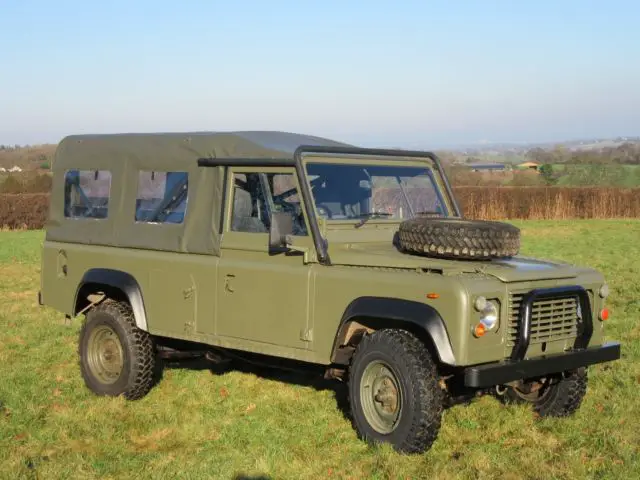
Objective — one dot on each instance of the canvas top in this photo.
(126, 156)
(180, 148)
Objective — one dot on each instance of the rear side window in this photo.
(86, 193)
(162, 197)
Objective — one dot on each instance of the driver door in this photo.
(263, 297)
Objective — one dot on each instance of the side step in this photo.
(167, 353)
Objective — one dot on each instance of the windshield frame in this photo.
(358, 155)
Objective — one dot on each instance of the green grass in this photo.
(196, 424)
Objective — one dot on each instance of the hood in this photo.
(515, 269)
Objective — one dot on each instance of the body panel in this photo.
(170, 283)
(385, 254)
(328, 292)
(263, 298)
(337, 286)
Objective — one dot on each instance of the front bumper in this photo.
(491, 374)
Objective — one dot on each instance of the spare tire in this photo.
(458, 238)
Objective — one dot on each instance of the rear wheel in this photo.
(394, 394)
(552, 396)
(116, 358)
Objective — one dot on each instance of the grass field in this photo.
(248, 424)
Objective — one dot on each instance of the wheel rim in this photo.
(105, 355)
(381, 397)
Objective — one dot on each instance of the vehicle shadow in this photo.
(310, 376)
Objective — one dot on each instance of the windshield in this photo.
(344, 192)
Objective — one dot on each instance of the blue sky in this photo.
(408, 74)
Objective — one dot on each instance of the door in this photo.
(263, 296)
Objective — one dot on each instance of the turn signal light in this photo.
(479, 330)
(433, 296)
(604, 314)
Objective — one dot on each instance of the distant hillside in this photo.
(29, 157)
(618, 150)
(519, 150)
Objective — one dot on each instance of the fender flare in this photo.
(122, 281)
(420, 315)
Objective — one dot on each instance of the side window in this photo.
(162, 197)
(249, 213)
(257, 195)
(86, 193)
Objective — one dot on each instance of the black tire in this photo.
(115, 322)
(561, 398)
(458, 238)
(421, 398)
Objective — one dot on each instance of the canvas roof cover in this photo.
(125, 155)
(178, 148)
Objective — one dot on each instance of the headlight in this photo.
(604, 291)
(480, 304)
(489, 317)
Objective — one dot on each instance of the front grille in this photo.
(551, 319)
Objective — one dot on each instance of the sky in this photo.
(410, 74)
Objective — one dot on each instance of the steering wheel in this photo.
(287, 207)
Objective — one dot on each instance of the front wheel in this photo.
(394, 393)
(552, 397)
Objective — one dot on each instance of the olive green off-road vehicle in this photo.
(286, 248)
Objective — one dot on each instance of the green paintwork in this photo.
(202, 282)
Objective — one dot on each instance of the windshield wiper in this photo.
(367, 216)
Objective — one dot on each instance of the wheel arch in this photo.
(366, 314)
(115, 284)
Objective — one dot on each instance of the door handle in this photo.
(227, 283)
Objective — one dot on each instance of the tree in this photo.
(546, 172)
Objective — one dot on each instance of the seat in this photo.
(243, 219)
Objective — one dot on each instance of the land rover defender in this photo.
(296, 248)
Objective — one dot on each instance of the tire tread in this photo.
(456, 238)
(564, 399)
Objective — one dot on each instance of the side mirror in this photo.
(281, 228)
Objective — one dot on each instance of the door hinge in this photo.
(306, 334)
